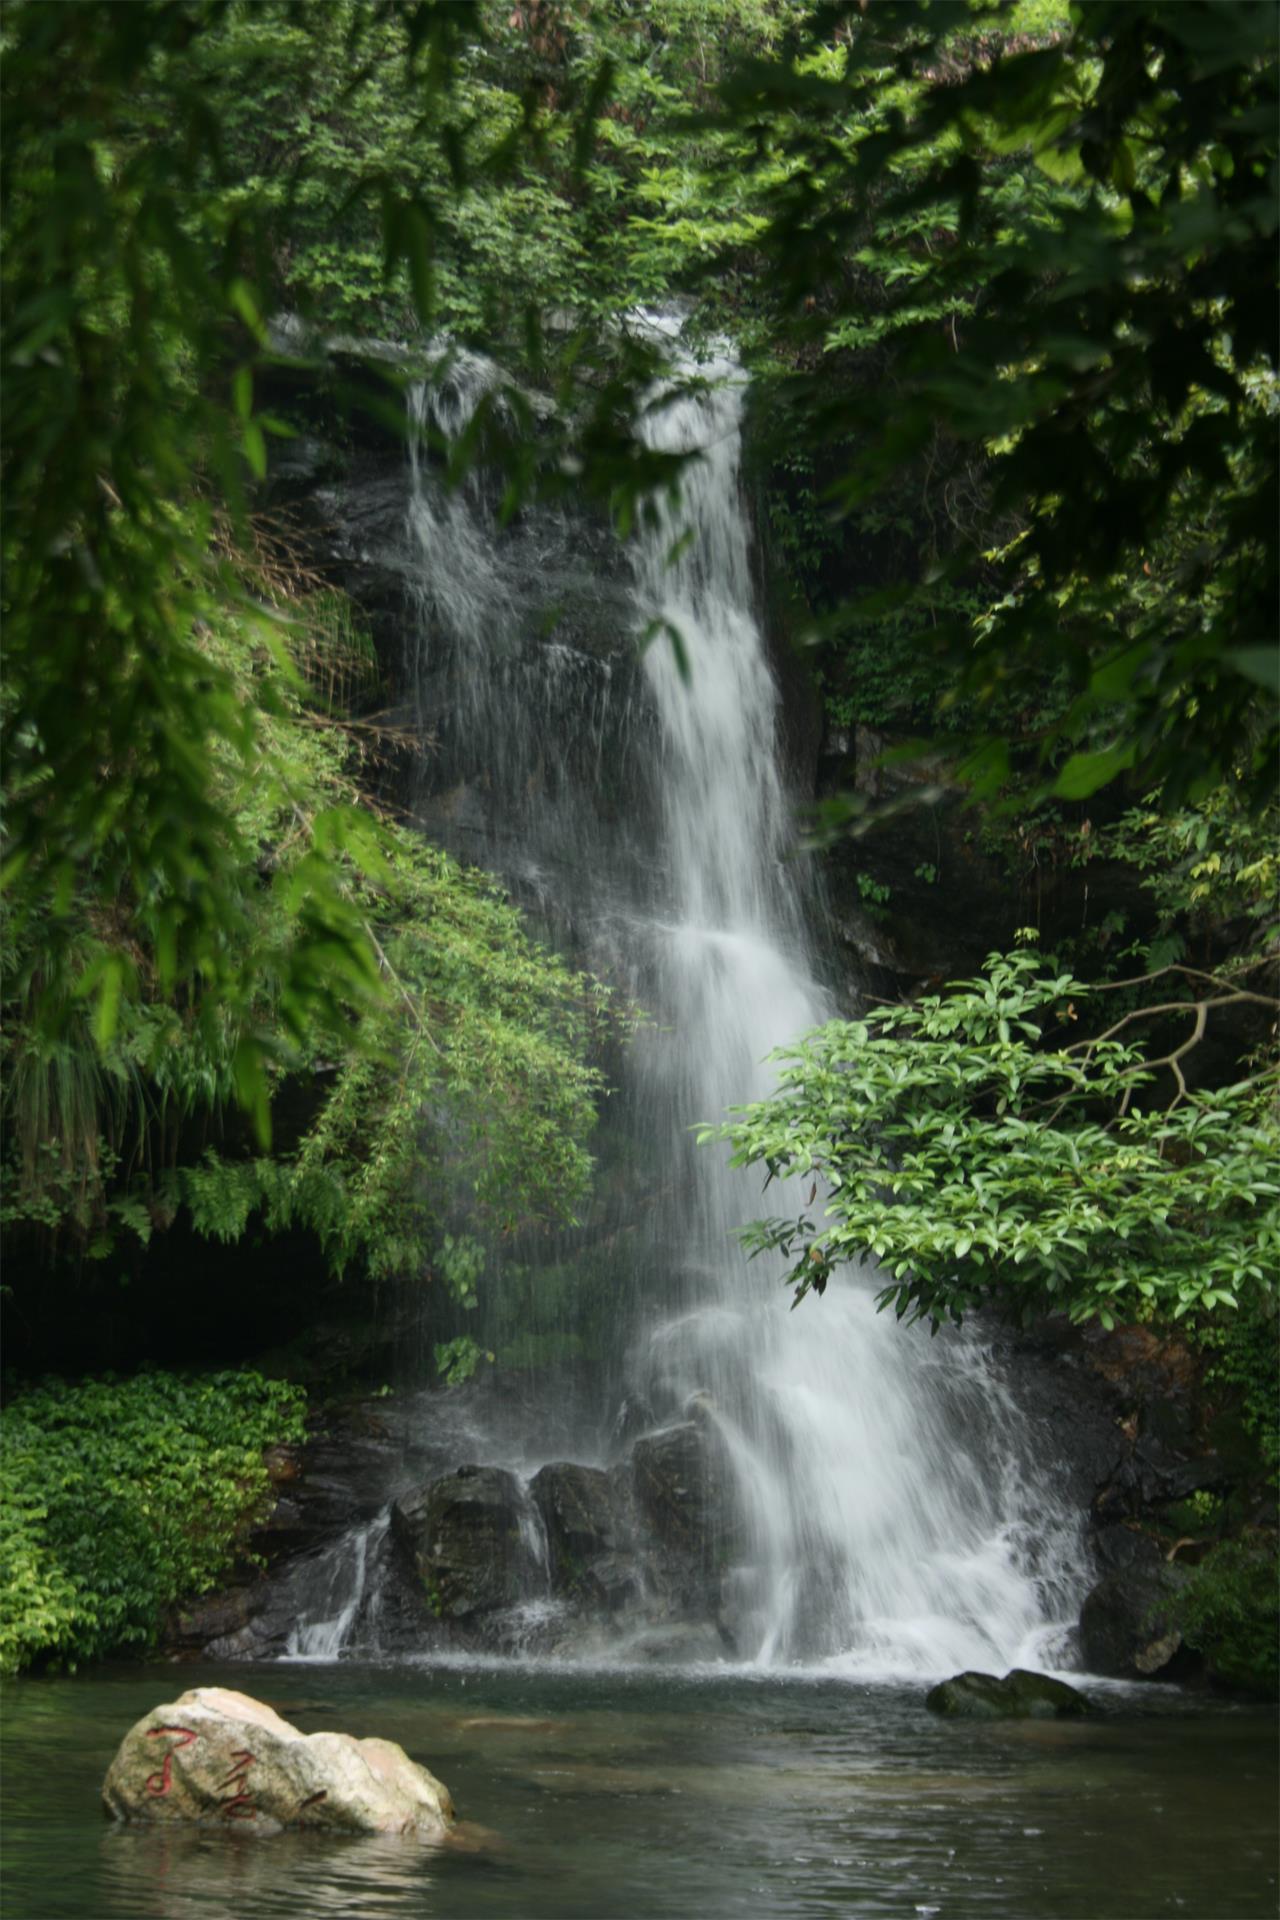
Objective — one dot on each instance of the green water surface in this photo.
(588, 1795)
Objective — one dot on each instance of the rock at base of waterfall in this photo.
(589, 1534)
(682, 1493)
(220, 1758)
(1125, 1624)
(1021, 1695)
(473, 1537)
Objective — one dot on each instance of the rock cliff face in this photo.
(384, 1548)
(636, 1559)
(1124, 1416)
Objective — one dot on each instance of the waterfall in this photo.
(337, 1592)
(889, 1518)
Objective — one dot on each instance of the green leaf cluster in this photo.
(1229, 1610)
(1244, 1362)
(120, 1497)
(132, 326)
(1206, 867)
(977, 1154)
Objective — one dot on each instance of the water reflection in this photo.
(163, 1873)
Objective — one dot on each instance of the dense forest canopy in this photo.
(1004, 278)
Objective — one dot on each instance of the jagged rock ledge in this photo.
(636, 1558)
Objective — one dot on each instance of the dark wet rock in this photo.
(333, 1484)
(472, 1542)
(1152, 1475)
(1120, 1417)
(215, 1617)
(364, 1574)
(589, 1534)
(302, 464)
(1020, 1695)
(686, 1517)
(1150, 1368)
(1125, 1624)
(1121, 1548)
(679, 1483)
(1072, 1413)
(337, 1481)
(613, 1582)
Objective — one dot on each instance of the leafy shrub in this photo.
(1246, 1356)
(119, 1496)
(1229, 1610)
(982, 1156)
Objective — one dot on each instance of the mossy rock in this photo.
(1021, 1695)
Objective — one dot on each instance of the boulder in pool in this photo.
(218, 1758)
(1021, 1695)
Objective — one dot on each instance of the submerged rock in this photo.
(220, 1758)
(1125, 1624)
(1021, 1695)
(475, 1541)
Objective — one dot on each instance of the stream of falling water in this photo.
(890, 1518)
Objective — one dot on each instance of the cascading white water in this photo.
(890, 1519)
(339, 1590)
(886, 1506)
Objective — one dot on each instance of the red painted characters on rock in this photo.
(239, 1804)
(159, 1783)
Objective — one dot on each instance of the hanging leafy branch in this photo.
(472, 1070)
(978, 1159)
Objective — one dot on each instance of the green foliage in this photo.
(460, 1264)
(469, 1080)
(1244, 1367)
(979, 1154)
(543, 170)
(1018, 257)
(1031, 262)
(1206, 866)
(131, 331)
(1005, 278)
(456, 1360)
(1229, 1610)
(873, 893)
(120, 1497)
(171, 173)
